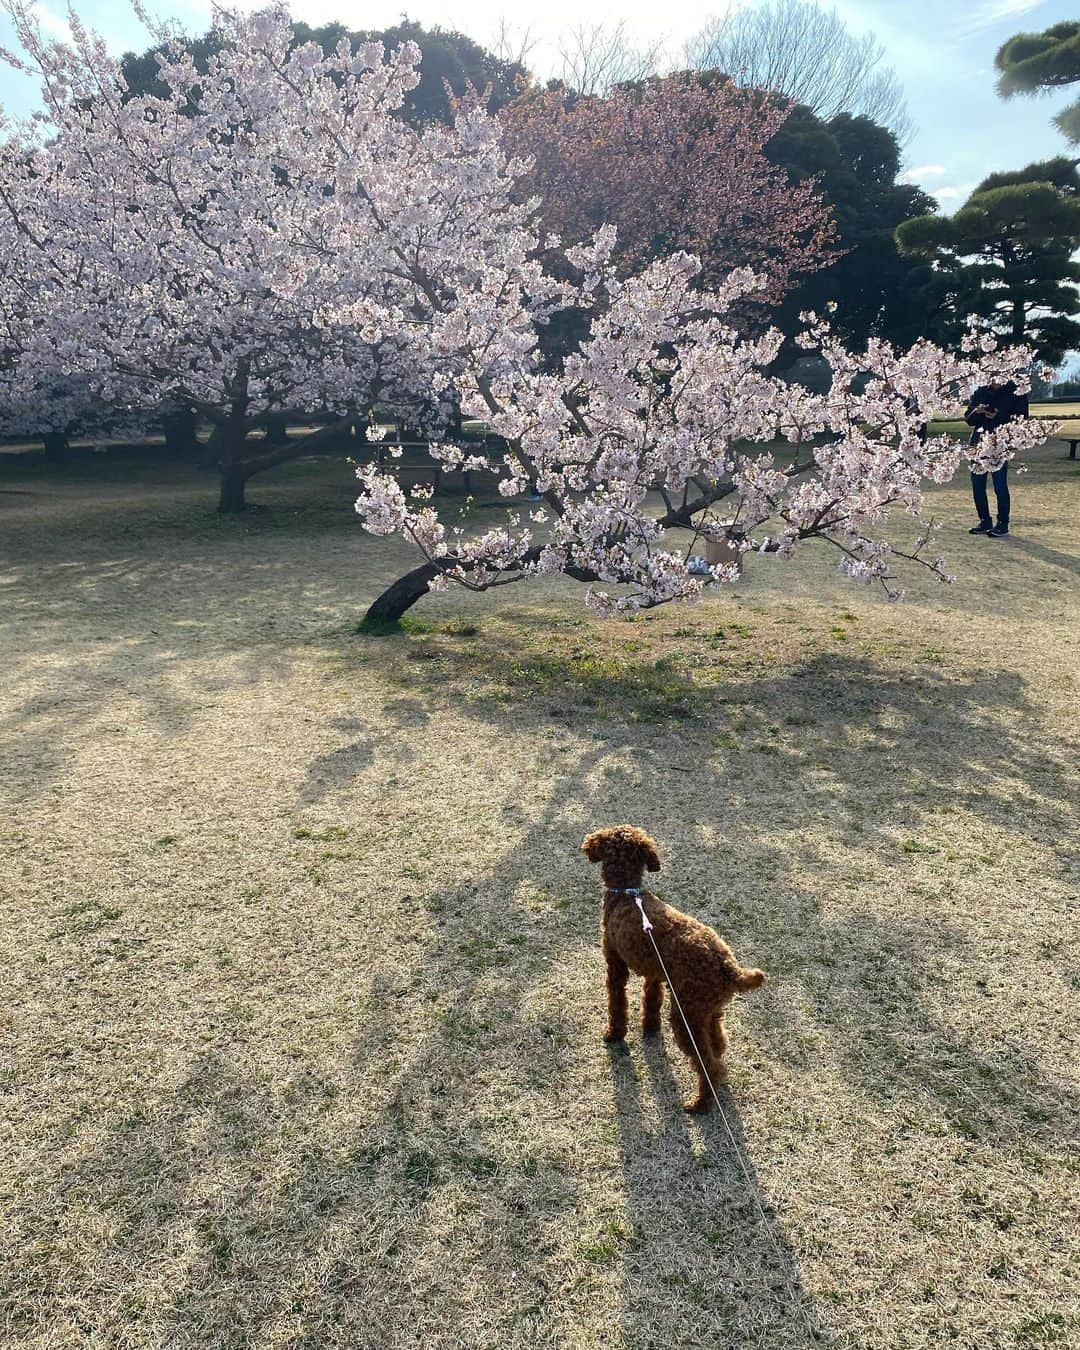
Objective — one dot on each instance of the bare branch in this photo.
(511, 43)
(595, 58)
(805, 52)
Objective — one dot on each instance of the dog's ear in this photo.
(593, 845)
(649, 853)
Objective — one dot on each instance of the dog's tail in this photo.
(749, 979)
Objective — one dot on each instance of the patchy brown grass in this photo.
(301, 1032)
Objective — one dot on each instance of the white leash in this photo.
(815, 1333)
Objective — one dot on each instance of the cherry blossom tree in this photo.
(267, 239)
(58, 407)
(674, 164)
(661, 433)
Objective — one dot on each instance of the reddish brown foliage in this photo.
(676, 163)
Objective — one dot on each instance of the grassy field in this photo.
(301, 1035)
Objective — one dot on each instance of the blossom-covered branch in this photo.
(665, 429)
(271, 236)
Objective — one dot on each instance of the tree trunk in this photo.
(234, 472)
(1019, 320)
(387, 610)
(277, 430)
(56, 447)
(231, 498)
(180, 427)
(208, 459)
(396, 599)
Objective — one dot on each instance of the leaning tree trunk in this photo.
(404, 593)
(56, 446)
(401, 596)
(231, 496)
(180, 431)
(413, 586)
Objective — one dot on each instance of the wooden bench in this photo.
(409, 473)
(1073, 441)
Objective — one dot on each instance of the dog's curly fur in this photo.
(702, 967)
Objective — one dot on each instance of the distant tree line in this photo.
(811, 197)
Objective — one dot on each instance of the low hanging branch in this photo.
(666, 398)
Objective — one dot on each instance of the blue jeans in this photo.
(1001, 492)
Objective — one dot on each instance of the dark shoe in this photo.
(983, 527)
(999, 531)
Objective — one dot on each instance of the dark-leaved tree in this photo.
(855, 164)
(1005, 257)
(451, 65)
(1037, 63)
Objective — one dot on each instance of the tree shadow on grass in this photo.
(879, 991)
(1043, 553)
(871, 746)
(127, 601)
(882, 760)
(403, 1193)
(426, 1187)
(381, 1197)
(303, 1207)
(367, 1206)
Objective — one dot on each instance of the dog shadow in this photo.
(709, 1261)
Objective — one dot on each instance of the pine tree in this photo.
(855, 164)
(1034, 63)
(1007, 257)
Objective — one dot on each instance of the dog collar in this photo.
(625, 890)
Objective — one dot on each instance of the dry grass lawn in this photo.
(303, 993)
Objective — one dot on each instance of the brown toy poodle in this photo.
(701, 967)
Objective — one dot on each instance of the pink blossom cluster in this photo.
(679, 159)
(267, 237)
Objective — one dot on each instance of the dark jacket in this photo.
(1006, 405)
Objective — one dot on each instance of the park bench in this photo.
(1073, 441)
(410, 472)
(1066, 401)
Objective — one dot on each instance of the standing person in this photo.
(990, 406)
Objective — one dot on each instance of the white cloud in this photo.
(52, 25)
(992, 12)
(923, 172)
(953, 191)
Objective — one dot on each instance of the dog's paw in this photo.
(699, 1106)
(651, 1031)
(612, 1036)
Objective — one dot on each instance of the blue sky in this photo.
(943, 51)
